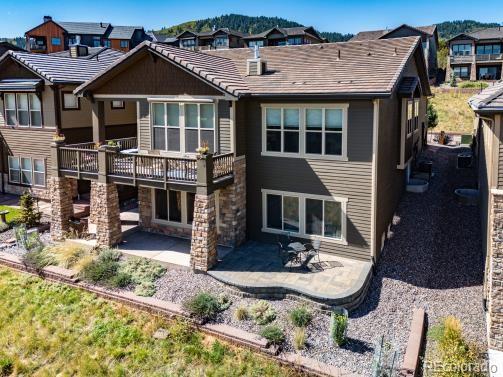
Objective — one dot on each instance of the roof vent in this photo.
(101, 24)
(78, 50)
(47, 18)
(255, 66)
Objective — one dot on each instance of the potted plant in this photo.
(203, 150)
(58, 138)
(113, 146)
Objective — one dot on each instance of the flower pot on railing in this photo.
(112, 146)
(203, 150)
(59, 140)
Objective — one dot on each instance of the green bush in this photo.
(103, 269)
(473, 84)
(203, 305)
(142, 270)
(300, 317)
(338, 326)
(145, 289)
(273, 334)
(241, 313)
(262, 312)
(6, 366)
(38, 258)
(120, 280)
(299, 338)
(30, 216)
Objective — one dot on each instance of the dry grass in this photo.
(454, 114)
(49, 329)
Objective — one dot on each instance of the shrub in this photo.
(30, 216)
(338, 326)
(103, 269)
(142, 270)
(473, 84)
(83, 262)
(203, 305)
(273, 334)
(431, 116)
(67, 254)
(38, 258)
(241, 313)
(300, 317)
(6, 366)
(120, 280)
(145, 289)
(299, 338)
(224, 302)
(262, 312)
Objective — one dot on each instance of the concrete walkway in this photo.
(256, 268)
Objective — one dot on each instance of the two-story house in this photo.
(277, 36)
(37, 102)
(429, 39)
(477, 55)
(294, 140)
(488, 108)
(207, 40)
(54, 36)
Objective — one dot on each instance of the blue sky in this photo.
(342, 16)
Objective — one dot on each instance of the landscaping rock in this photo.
(161, 334)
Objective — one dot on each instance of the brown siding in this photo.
(12, 70)
(351, 179)
(155, 77)
(49, 29)
(116, 45)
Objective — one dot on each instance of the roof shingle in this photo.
(94, 28)
(490, 99)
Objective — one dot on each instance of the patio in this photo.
(257, 269)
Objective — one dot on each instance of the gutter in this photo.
(346, 95)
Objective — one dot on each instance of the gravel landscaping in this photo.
(432, 260)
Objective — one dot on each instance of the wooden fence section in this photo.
(78, 160)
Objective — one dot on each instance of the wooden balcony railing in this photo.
(78, 160)
(489, 57)
(223, 165)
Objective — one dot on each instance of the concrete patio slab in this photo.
(256, 268)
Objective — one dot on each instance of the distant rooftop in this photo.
(123, 32)
(377, 34)
(99, 28)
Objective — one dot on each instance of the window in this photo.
(488, 49)
(107, 43)
(221, 41)
(118, 105)
(489, 73)
(183, 127)
(70, 101)
(304, 215)
(188, 43)
(295, 40)
(124, 43)
(27, 171)
(410, 116)
(416, 113)
(462, 49)
(96, 41)
(174, 206)
(256, 43)
(305, 131)
(56, 41)
(461, 72)
(23, 110)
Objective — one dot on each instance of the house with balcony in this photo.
(55, 36)
(209, 40)
(429, 40)
(37, 102)
(277, 36)
(477, 55)
(235, 145)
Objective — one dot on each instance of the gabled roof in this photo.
(161, 38)
(408, 86)
(287, 32)
(377, 34)
(331, 69)
(123, 32)
(94, 28)
(210, 33)
(105, 54)
(57, 69)
(488, 33)
(488, 100)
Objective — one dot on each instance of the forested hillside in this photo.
(449, 29)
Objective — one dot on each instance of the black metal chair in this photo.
(313, 249)
(287, 256)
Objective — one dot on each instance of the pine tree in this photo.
(30, 216)
(453, 82)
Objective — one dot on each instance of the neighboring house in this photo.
(161, 38)
(300, 142)
(429, 39)
(6, 46)
(36, 101)
(284, 36)
(477, 55)
(488, 107)
(54, 36)
(206, 40)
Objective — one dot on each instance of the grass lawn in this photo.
(13, 212)
(454, 114)
(49, 329)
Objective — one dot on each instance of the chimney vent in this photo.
(255, 66)
(101, 24)
(78, 50)
(47, 18)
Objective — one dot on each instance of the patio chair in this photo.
(287, 255)
(313, 249)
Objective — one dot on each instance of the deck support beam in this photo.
(98, 119)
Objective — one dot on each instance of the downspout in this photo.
(373, 200)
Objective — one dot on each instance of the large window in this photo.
(222, 41)
(256, 43)
(304, 215)
(174, 206)
(23, 110)
(488, 49)
(412, 115)
(183, 127)
(188, 43)
(489, 73)
(305, 131)
(27, 171)
(55, 41)
(462, 49)
(295, 40)
(124, 43)
(461, 72)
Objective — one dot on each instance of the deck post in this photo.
(55, 159)
(102, 164)
(203, 249)
(98, 119)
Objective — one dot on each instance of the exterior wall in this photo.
(350, 179)
(49, 30)
(116, 45)
(496, 275)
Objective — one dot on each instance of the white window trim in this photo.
(20, 170)
(30, 110)
(302, 215)
(76, 106)
(181, 125)
(183, 223)
(302, 130)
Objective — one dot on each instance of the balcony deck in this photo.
(124, 165)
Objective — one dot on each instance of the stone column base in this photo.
(61, 206)
(203, 249)
(105, 202)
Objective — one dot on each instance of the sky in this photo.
(324, 15)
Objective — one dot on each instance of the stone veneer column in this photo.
(105, 202)
(203, 250)
(145, 207)
(233, 207)
(61, 206)
(496, 274)
(94, 205)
